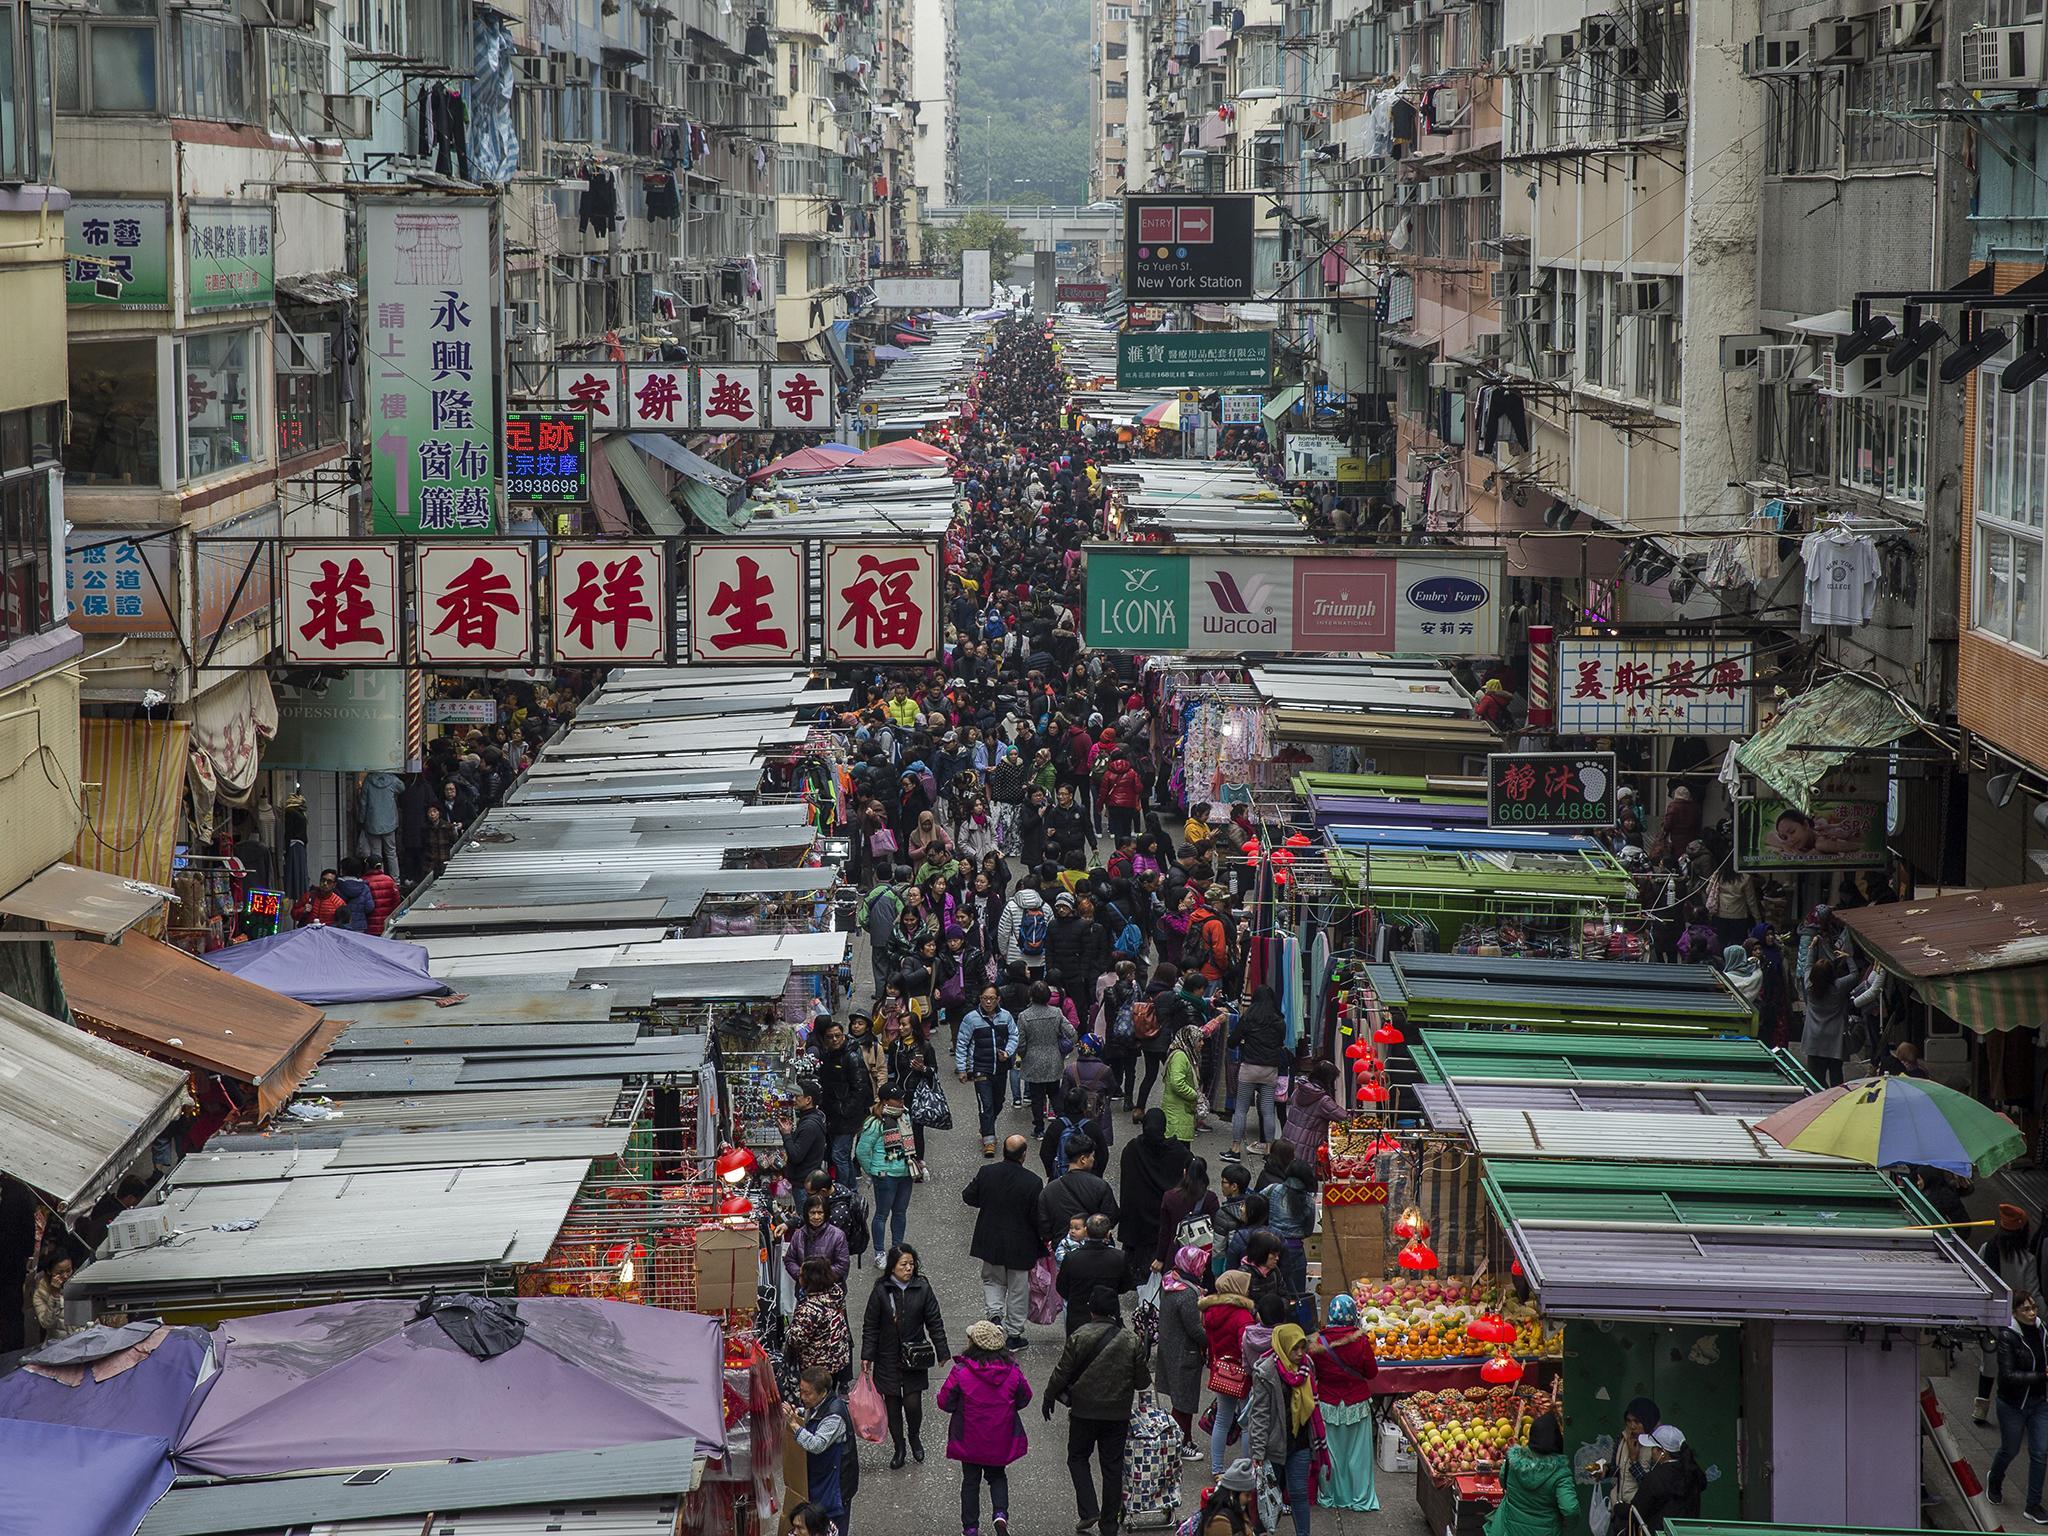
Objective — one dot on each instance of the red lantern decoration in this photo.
(735, 1205)
(1386, 1034)
(1418, 1255)
(1251, 848)
(1358, 1050)
(1515, 1268)
(1490, 1328)
(734, 1165)
(1300, 840)
(1500, 1370)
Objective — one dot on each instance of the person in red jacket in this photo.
(384, 893)
(1225, 1316)
(1123, 791)
(1215, 932)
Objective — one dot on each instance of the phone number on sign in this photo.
(520, 488)
(1576, 810)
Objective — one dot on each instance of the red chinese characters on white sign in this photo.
(657, 396)
(475, 603)
(729, 399)
(799, 397)
(609, 602)
(881, 602)
(340, 603)
(592, 387)
(747, 601)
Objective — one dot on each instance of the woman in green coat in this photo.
(1183, 1083)
(1537, 1495)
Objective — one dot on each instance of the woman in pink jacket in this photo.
(983, 1392)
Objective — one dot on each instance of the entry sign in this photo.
(1188, 248)
(1549, 790)
(547, 456)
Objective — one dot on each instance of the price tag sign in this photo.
(1549, 791)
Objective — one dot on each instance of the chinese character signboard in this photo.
(430, 353)
(120, 243)
(658, 396)
(228, 260)
(1660, 687)
(596, 390)
(729, 398)
(1194, 360)
(747, 601)
(610, 602)
(1845, 829)
(340, 603)
(1549, 790)
(1188, 248)
(462, 711)
(1443, 603)
(121, 586)
(1242, 410)
(475, 603)
(881, 602)
(800, 397)
(547, 456)
(977, 280)
(231, 570)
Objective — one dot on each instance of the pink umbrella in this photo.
(807, 461)
(909, 453)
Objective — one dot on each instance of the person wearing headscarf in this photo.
(1537, 1495)
(1182, 1082)
(1632, 1454)
(1344, 1368)
(1152, 1165)
(1226, 1314)
(1284, 1424)
(1742, 972)
(1183, 1347)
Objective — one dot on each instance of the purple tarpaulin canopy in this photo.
(361, 1384)
(888, 354)
(62, 1478)
(141, 1381)
(319, 964)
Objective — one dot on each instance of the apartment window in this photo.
(113, 414)
(213, 68)
(1118, 13)
(1803, 124)
(219, 386)
(1881, 444)
(1567, 281)
(1599, 336)
(2011, 495)
(1259, 62)
(107, 62)
(27, 559)
(1114, 90)
(309, 407)
(1880, 94)
(26, 130)
(295, 68)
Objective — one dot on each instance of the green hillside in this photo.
(1024, 86)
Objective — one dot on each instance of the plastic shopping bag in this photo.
(1046, 1304)
(864, 1407)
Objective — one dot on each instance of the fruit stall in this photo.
(1460, 1437)
(1430, 1333)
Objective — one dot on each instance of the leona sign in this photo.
(1444, 603)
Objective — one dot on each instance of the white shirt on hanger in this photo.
(1841, 578)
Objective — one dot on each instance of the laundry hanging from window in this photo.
(444, 129)
(1501, 409)
(1841, 578)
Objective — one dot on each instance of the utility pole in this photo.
(988, 157)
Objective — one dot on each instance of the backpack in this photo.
(869, 898)
(1032, 929)
(1195, 949)
(1130, 943)
(1067, 1130)
(1144, 1019)
(992, 627)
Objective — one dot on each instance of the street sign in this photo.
(1242, 410)
(547, 456)
(1549, 791)
(1188, 248)
(1194, 360)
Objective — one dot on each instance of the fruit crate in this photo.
(1463, 1432)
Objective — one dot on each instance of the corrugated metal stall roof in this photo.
(1643, 1240)
(560, 1490)
(490, 1005)
(1465, 1056)
(1627, 1134)
(1440, 1106)
(575, 1104)
(1574, 994)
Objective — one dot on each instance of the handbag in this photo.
(918, 1171)
(1271, 1505)
(918, 1354)
(928, 1107)
(865, 1409)
(1228, 1376)
(1197, 1231)
(883, 841)
(1046, 1304)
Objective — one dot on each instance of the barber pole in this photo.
(1542, 675)
(1964, 1476)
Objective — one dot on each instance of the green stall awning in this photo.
(708, 491)
(1821, 729)
(642, 488)
(1281, 404)
(1981, 957)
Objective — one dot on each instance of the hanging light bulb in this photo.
(734, 1165)
(735, 1205)
(1387, 1034)
(1500, 1370)
(1358, 1050)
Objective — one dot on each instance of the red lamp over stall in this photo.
(1387, 1034)
(1417, 1255)
(735, 1205)
(1500, 1370)
(1358, 1050)
(734, 1165)
(1490, 1328)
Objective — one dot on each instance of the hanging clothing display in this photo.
(664, 198)
(493, 141)
(598, 207)
(1500, 408)
(444, 129)
(1841, 578)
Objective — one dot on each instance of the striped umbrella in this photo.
(1888, 1120)
(1165, 416)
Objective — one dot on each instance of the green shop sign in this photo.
(1137, 602)
(228, 258)
(1194, 359)
(116, 253)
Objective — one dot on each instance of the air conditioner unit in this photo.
(1863, 377)
(143, 1226)
(1909, 27)
(349, 117)
(1739, 353)
(1418, 511)
(1472, 184)
(1407, 192)
(1446, 376)
(693, 71)
(613, 79)
(1780, 363)
(1774, 53)
(1999, 58)
(1502, 283)
(1487, 345)
(1599, 32)
(1838, 42)
(1419, 465)
(1643, 296)
(1558, 47)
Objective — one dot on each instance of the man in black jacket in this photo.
(806, 1143)
(1080, 1191)
(1066, 824)
(1069, 943)
(849, 1090)
(1097, 1262)
(1004, 1197)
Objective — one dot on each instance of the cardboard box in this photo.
(728, 1269)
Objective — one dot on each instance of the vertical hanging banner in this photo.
(431, 355)
(610, 602)
(748, 601)
(729, 398)
(340, 604)
(592, 387)
(881, 602)
(657, 396)
(475, 603)
(800, 397)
